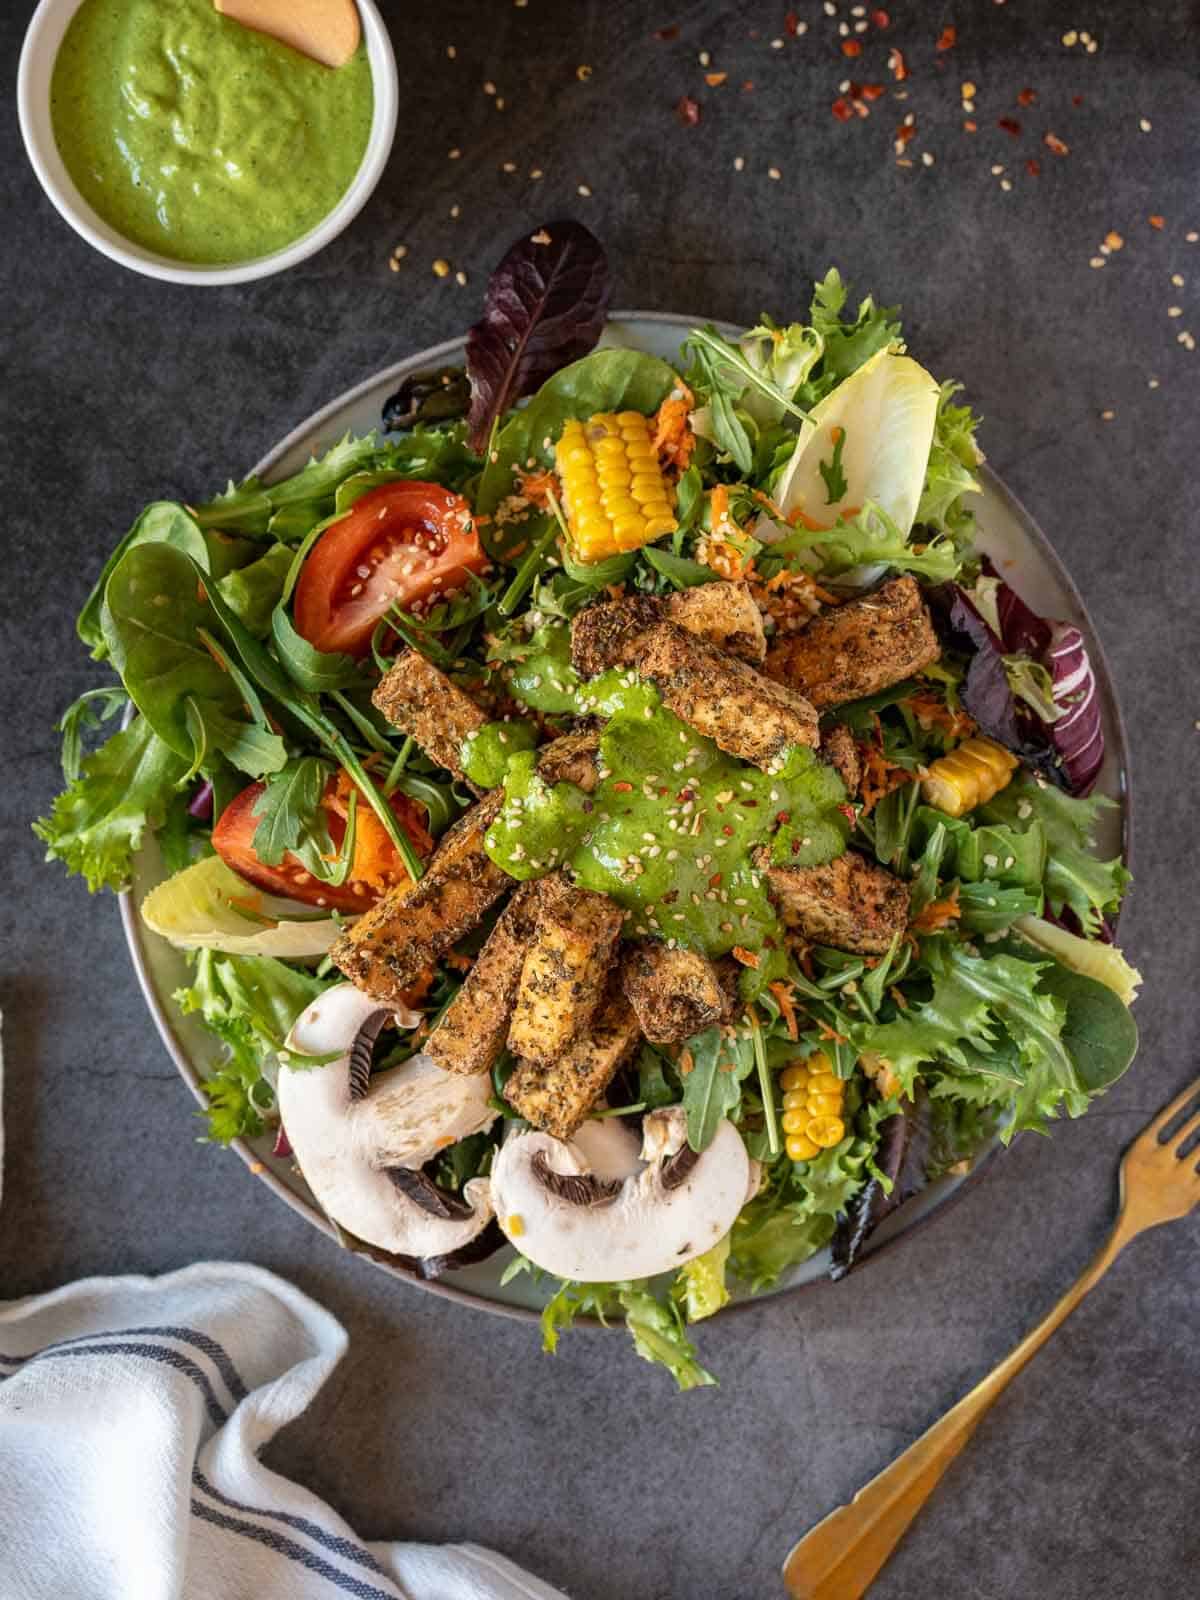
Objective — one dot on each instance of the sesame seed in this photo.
(1070, 38)
(489, 87)
(441, 268)
(739, 163)
(1174, 311)
(460, 278)
(1177, 279)
(451, 51)
(585, 191)
(499, 102)
(508, 166)
(1144, 124)
(776, 44)
(535, 173)
(996, 171)
(1096, 261)
(583, 73)
(1152, 383)
(774, 172)
(1107, 416)
(454, 154)
(704, 58)
(1006, 184)
(1191, 236)
(926, 158)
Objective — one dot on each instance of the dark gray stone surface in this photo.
(443, 1423)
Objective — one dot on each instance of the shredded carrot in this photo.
(622, 787)
(537, 487)
(783, 997)
(898, 997)
(879, 777)
(746, 957)
(938, 914)
(837, 434)
(685, 1063)
(674, 440)
(726, 559)
(931, 711)
(831, 1034)
(377, 862)
(615, 591)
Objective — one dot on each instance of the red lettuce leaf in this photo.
(905, 1143)
(545, 307)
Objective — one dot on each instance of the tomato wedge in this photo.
(377, 864)
(402, 544)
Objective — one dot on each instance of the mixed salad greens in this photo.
(806, 465)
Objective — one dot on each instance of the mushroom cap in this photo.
(575, 1223)
(360, 1140)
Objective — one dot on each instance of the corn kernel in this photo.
(794, 1099)
(824, 1105)
(969, 776)
(628, 531)
(819, 1062)
(796, 1119)
(795, 1076)
(826, 1131)
(613, 490)
(633, 420)
(801, 1148)
(825, 1083)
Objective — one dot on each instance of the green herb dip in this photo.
(198, 138)
(485, 754)
(672, 829)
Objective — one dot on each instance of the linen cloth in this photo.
(132, 1415)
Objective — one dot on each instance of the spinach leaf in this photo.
(1100, 1034)
(545, 306)
(252, 592)
(314, 671)
(607, 380)
(678, 569)
(152, 619)
(163, 522)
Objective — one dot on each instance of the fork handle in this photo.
(841, 1557)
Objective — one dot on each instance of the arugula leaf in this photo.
(713, 1088)
(607, 380)
(253, 507)
(291, 817)
(655, 1088)
(832, 474)
(152, 617)
(678, 570)
(250, 1004)
(96, 825)
(987, 907)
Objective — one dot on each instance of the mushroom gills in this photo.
(571, 1222)
(352, 1133)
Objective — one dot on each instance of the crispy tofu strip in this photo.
(850, 903)
(571, 758)
(840, 751)
(675, 993)
(564, 971)
(744, 713)
(473, 1028)
(858, 648)
(609, 635)
(418, 698)
(388, 949)
(557, 1098)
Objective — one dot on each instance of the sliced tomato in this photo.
(402, 544)
(377, 864)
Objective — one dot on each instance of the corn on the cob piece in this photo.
(969, 776)
(614, 493)
(813, 1107)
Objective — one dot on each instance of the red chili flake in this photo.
(905, 132)
(970, 127)
(1053, 142)
(790, 23)
(842, 109)
(666, 33)
(1027, 97)
(1076, 99)
(727, 831)
(281, 1148)
(881, 19)
(688, 111)
(1033, 168)
(851, 47)
(715, 79)
(1155, 221)
(715, 881)
(748, 86)
(896, 63)
(1010, 125)
(947, 39)
(873, 91)
(783, 816)
(850, 814)
(623, 788)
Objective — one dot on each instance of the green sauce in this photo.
(485, 754)
(199, 139)
(672, 828)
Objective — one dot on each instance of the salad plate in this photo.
(1018, 551)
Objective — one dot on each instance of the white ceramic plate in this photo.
(1006, 532)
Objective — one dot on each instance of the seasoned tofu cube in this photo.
(840, 751)
(571, 758)
(609, 635)
(675, 993)
(564, 971)
(389, 948)
(558, 1097)
(744, 713)
(474, 1025)
(850, 903)
(418, 698)
(858, 648)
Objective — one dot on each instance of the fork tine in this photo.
(1169, 1113)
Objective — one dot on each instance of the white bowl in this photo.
(42, 41)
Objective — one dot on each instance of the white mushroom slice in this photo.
(574, 1222)
(361, 1140)
(608, 1148)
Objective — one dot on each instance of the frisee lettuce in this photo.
(655, 1326)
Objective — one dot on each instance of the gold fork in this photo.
(843, 1555)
